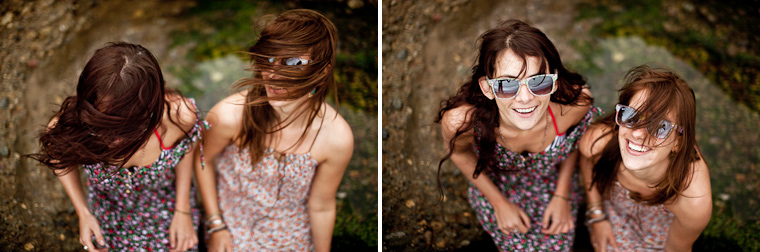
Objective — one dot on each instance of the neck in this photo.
(651, 175)
(294, 114)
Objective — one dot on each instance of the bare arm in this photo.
(215, 139)
(692, 211)
(326, 181)
(600, 232)
(508, 215)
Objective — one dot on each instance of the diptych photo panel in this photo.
(367, 125)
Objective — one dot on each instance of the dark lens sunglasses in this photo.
(508, 88)
(292, 61)
(628, 117)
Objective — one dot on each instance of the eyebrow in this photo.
(515, 77)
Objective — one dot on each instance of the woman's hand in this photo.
(511, 219)
(557, 217)
(182, 235)
(601, 235)
(220, 241)
(88, 226)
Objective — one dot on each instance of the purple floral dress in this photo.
(530, 183)
(135, 211)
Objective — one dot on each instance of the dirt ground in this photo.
(428, 51)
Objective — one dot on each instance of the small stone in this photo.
(4, 151)
(32, 63)
(62, 237)
(28, 246)
(464, 243)
(397, 103)
(441, 243)
(428, 237)
(23, 205)
(409, 203)
(355, 4)
(4, 103)
(402, 54)
(385, 134)
(6, 18)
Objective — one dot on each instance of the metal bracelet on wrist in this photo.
(216, 229)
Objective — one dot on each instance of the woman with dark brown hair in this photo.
(130, 135)
(279, 150)
(517, 122)
(647, 186)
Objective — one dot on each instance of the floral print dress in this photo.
(637, 227)
(529, 181)
(135, 211)
(264, 205)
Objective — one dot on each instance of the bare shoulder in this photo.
(568, 115)
(228, 113)
(695, 202)
(594, 140)
(339, 135)
(182, 111)
(456, 118)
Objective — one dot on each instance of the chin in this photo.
(278, 103)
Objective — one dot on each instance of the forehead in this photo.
(638, 99)
(508, 64)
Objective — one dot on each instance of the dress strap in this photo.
(554, 122)
(159, 139)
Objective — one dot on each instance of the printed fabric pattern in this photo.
(265, 206)
(135, 212)
(529, 181)
(636, 227)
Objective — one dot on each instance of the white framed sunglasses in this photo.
(628, 117)
(508, 88)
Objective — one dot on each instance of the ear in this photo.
(485, 88)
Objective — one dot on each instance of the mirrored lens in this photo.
(663, 129)
(294, 61)
(627, 117)
(506, 88)
(541, 85)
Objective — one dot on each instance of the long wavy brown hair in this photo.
(666, 92)
(120, 98)
(525, 41)
(293, 33)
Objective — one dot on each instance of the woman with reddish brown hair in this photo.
(648, 187)
(130, 135)
(512, 130)
(278, 149)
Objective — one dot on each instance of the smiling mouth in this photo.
(638, 148)
(525, 110)
(277, 90)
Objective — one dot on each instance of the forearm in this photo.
(322, 220)
(183, 172)
(73, 186)
(466, 164)
(206, 178)
(586, 166)
(567, 167)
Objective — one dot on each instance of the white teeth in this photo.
(639, 148)
(525, 111)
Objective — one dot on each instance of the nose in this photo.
(639, 133)
(524, 95)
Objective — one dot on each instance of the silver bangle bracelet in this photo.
(597, 219)
(216, 229)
